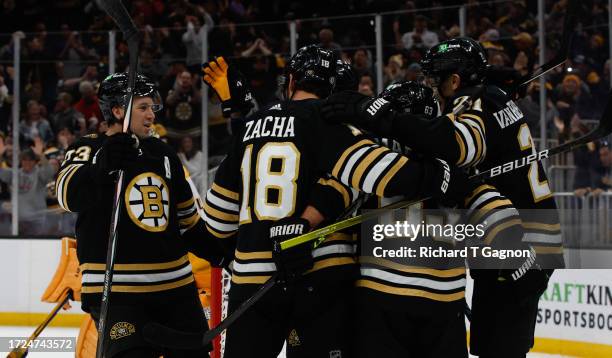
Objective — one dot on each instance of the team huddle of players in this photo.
(304, 162)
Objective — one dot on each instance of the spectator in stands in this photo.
(89, 106)
(394, 70)
(593, 169)
(34, 125)
(420, 36)
(366, 85)
(33, 181)
(605, 158)
(149, 65)
(192, 160)
(326, 40)
(261, 68)
(5, 104)
(75, 54)
(65, 137)
(167, 82)
(65, 116)
(572, 98)
(362, 62)
(90, 73)
(6, 152)
(490, 40)
(183, 108)
(192, 39)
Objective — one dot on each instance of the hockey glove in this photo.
(120, 151)
(366, 112)
(293, 262)
(229, 85)
(448, 184)
(524, 279)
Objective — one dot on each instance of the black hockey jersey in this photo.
(490, 133)
(406, 283)
(158, 223)
(270, 171)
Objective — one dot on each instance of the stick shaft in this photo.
(121, 17)
(22, 352)
(244, 306)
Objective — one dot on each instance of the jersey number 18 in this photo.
(279, 179)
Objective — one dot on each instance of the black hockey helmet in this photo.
(113, 93)
(346, 78)
(463, 56)
(314, 68)
(411, 97)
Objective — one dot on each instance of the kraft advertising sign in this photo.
(575, 314)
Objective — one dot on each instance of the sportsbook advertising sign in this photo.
(575, 314)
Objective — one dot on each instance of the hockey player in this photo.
(417, 304)
(264, 184)
(158, 224)
(491, 132)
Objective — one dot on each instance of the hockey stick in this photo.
(167, 337)
(116, 10)
(23, 352)
(569, 23)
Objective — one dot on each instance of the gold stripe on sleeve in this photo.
(476, 118)
(365, 162)
(479, 144)
(462, 152)
(226, 192)
(548, 250)
(480, 212)
(189, 222)
(250, 279)
(219, 234)
(185, 204)
(380, 188)
(65, 186)
(541, 226)
(346, 153)
(219, 214)
(331, 262)
(493, 233)
(255, 255)
(477, 191)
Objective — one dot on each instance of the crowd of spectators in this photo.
(65, 55)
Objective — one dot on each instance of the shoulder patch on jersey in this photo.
(276, 107)
(147, 202)
(91, 135)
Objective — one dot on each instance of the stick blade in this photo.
(162, 336)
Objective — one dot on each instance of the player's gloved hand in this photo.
(352, 107)
(290, 263)
(120, 151)
(521, 275)
(446, 183)
(229, 85)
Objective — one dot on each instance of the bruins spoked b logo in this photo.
(147, 200)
